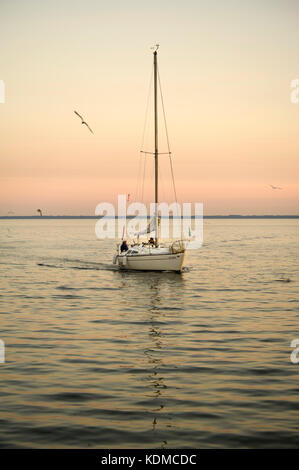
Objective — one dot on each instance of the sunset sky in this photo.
(226, 69)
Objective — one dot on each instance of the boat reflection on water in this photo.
(156, 381)
(156, 346)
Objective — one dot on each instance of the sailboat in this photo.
(153, 255)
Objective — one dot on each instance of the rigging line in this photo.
(162, 183)
(142, 140)
(136, 195)
(167, 138)
(173, 182)
(142, 192)
(147, 106)
(143, 134)
(153, 153)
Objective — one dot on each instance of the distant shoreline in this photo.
(74, 217)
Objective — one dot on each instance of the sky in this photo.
(226, 70)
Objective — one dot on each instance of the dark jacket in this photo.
(124, 247)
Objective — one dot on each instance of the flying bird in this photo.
(83, 122)
(40, 212)
(275, 187)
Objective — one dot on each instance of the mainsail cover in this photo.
(150, 228)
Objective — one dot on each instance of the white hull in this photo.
(152, 262)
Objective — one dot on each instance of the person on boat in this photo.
(151, 241)
(124, 246)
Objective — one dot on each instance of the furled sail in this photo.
(150, 228)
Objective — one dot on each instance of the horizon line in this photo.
(217, 216)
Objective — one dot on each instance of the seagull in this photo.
(83, 122)
(283, 279)
(275, 187)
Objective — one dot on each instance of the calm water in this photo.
(101, 358)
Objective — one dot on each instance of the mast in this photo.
(156, 143)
